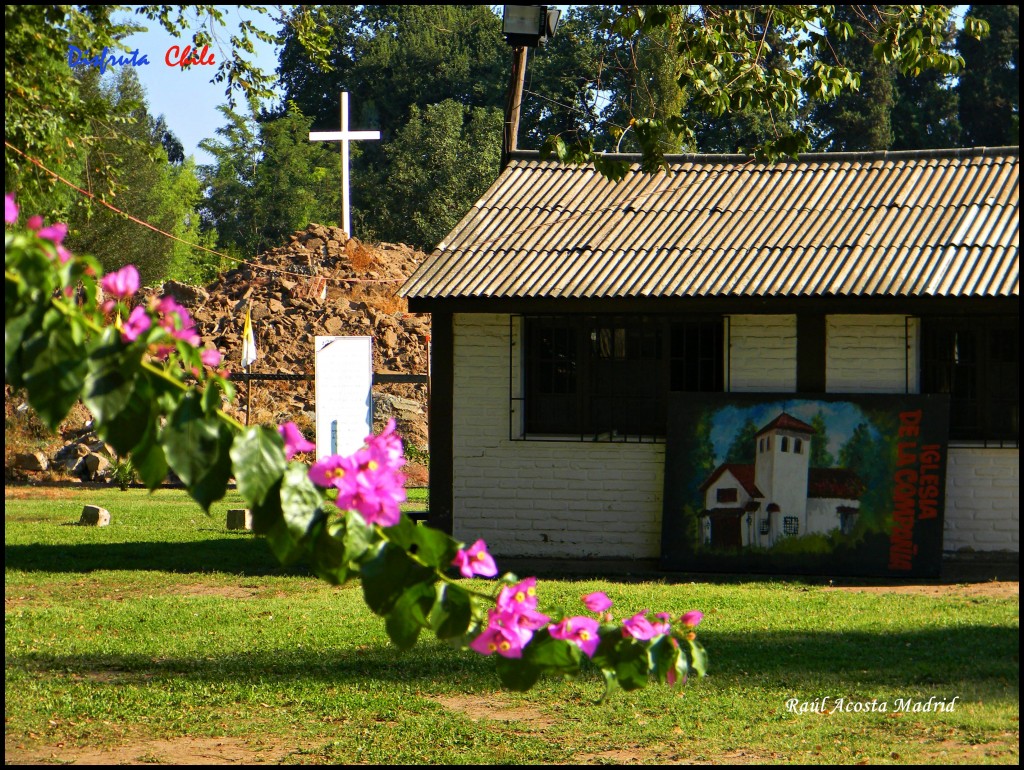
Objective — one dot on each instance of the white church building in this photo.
(780, 495)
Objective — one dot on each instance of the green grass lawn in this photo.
(166, 627)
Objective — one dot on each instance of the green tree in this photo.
(742, 448)
(127, 166)
(228, 207)
(989, 87)
(444, 156)
(398, 62)
(869, 455)
(820, 456)
(48, 117)
(590, 83)
(267, 180)
(856, 119)
(726, 67)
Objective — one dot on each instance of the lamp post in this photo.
(524, 26)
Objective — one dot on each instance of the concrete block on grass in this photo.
(240, 518)
(94, 516)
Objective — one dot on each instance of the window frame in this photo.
(979, 381)
(607, 369)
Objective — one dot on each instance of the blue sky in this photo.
(186, 98)
(841, 418)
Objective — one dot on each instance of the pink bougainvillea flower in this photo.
(377, 491)
(663, 624)
(597, 601)
(498, 639)
(10, 209)
(34, 222)
(692, 618)
(121, 284)
(386, 447)
(639, 627)
(294, 441)
(333, 471)
(521, 596)
(54, 232)
(580, 630)
(367, 481)
(210, 357)
(137, 323)
(177, 321)
(475, 561)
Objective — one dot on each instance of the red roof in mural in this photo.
(744, 475)
(788, 422)
(835, 482)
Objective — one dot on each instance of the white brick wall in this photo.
(982, 500)
(868, 353)
(542, 498)
(570, 499)
(762, 353)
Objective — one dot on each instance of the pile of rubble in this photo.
(318, 283)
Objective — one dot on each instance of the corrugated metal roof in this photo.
(929, 223)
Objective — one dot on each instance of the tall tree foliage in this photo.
(430, 78)
(989, 86)
(437, 164)
(729, 63)
(591, 82)
(126, 165)
(861, 119)
(266, 181)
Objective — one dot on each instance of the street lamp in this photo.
(524, 26)
(529, 25)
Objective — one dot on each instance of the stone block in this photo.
(31, 461)
(94, 516)
(240, 518)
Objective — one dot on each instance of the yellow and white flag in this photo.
(248, 342)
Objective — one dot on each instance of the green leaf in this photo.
(452, 614)
(55, 377)
(517, 674)
(553, 655)
(196, 446)
(300, 500)
(360, 538)
(409, 615)
(328, 558)
(110, 383)
(430, 546)
(257, 457)
(387, 576)
(148, 456)
(612, 170)
(632, 665)
(267, 514)
(698, 657)
(667, 656)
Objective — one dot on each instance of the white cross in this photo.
(345, 136)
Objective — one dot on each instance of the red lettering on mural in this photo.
(907, 487)
(187, 56)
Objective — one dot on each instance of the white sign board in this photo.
(344, 407)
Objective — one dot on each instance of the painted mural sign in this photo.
(829, 485)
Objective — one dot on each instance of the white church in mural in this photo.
(780, 495)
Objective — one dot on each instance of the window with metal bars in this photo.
(607, 377)
(976, 361)
(790, 525)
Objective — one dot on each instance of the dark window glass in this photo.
(790, 525)
(975, 360)
(608, 376)
(729, 495)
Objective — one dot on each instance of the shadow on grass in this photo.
(240, 555)
(923, 661)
